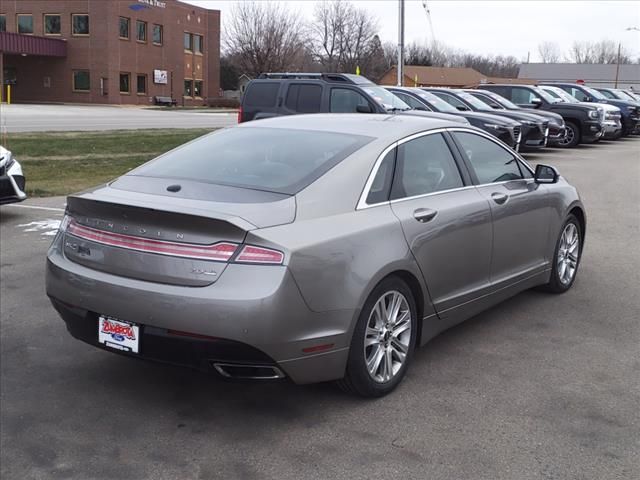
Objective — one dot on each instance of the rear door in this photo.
(447, 222)
(520, 207)
(303, 97)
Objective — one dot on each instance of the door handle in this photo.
(424, 215)
(499, 198)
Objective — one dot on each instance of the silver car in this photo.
(312, 247)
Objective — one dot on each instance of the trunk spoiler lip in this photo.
(177, 205)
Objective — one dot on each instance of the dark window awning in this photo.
(18, 44)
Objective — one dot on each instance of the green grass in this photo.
(59, 163)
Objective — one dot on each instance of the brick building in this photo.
(109, 51)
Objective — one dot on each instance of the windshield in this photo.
(595, 93)
(439, 104)
(622, 95)
(545, 95)
(279, 160)
(475, 102)
(385, 98)
(561, 94)
(501, 100)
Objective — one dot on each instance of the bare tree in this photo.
(549, 52)
(265, 37)
(344, 36)
(603, 51)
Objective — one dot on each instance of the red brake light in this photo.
(222, 251)
(240, 114)
(252, 254)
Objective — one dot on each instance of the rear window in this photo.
(261, 94)
(269, 159)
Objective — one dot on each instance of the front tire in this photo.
(572, 135)
(383, 341)
(566, 258)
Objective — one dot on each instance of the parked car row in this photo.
(524, 117)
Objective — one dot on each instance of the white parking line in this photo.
(52, 209)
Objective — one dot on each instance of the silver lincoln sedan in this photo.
(312, 247)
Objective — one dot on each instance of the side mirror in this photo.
(588, 99)
(363, 109)
(546, 174)
(422, 109)
(462, 108)
(536, 102)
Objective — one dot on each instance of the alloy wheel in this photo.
(568, 253)
(569, 136)
(387, 337)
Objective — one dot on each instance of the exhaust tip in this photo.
(248, 372)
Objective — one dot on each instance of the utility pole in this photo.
(400, 42)
(618, 64)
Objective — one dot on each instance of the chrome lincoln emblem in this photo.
(199, 271)
(143, 231)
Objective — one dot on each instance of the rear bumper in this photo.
(255, 313)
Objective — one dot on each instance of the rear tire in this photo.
(383, 341)
(566, 257)
(572, 135)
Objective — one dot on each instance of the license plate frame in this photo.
(118, 334)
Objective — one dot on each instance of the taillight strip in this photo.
(221, 251)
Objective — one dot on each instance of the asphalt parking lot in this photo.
(40, 118)
(540, 387)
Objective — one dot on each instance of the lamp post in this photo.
(628, 29)
(400, 42)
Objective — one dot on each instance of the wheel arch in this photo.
(578, 212)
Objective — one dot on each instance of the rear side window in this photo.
(424, 165)
(261, 94)
(379, 190)
(490, 162)
(279, 160)
(304, 98)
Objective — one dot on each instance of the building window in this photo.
(157, 34)
(141, 84)
(141, 31)
(188, 88)
(124, 28)
(81, 81)
(25, 24)
(125, 83)
(197, 88)
(79, 24)
(52, 24)
(198, 43)
(188, 41)
(3, 23)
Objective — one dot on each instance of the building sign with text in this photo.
(154, 3)
(160, 76)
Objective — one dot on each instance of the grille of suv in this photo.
(543, 127)
(516, 134)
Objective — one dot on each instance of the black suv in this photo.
(277, 94)
(629, 110)
(584, 124)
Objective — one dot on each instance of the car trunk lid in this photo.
(164, 238)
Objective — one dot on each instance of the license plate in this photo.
(117, 334)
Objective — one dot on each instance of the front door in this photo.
(519, 206)
(446, 222)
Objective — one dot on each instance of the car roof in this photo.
(372, 125)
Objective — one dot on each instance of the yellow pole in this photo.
(8, 94)
(415, 80)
